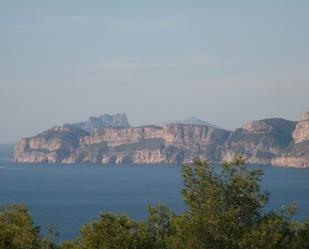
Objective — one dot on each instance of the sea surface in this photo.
(68, 196)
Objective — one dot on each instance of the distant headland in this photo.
(109, 139)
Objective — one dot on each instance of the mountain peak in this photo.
(195, 121)
(105, 120)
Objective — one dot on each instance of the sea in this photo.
(68, 196)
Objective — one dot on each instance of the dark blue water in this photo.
(68, 196)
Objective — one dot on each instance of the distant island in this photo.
(109, 139)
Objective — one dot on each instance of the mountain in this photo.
(195, 121)
(106, 120)
(269, 141)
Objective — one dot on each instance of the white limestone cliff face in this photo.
(270, 141)
(171, 144)
(301, 132)
(173, 134)
(51, 146)
(291, 161)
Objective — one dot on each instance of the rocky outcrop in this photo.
(301, 133)
(270, 141)
(170, 144)
(259, 141)
(52, 146)
(106, 120)
(297, 153)
(291, 161)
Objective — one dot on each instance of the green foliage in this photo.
(222, 206)
(154, 232)
(16, 228)
(48, 242)
(272, 231)
(225, 210)
(120, 232)
(109, 232)
(303, 236)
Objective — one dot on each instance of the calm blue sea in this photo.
(68, 196)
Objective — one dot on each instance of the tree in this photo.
(16, 228)
(48, 242)
(109, 232)
(225, 210)
(120, 232)
(18, 232)
(302, 239)
(157, 228)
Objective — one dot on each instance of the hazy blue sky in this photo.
(225, 62)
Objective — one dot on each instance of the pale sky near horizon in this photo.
(225, 62)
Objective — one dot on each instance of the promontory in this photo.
(109, 139)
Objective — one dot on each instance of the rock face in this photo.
(269, 141)
(297, 153)
(170, 144)
(301, 133)
(52, 146)
(106, 120)
(259, 141)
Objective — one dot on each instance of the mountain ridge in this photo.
(105, 120)
(194, 121)
(273, 141)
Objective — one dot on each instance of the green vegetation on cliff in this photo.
(225, 210)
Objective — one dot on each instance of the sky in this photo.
(226, 62)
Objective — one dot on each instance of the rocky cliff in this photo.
(52, 146)
(259, 141)
(170, 144)
(301, 132)
(269, 141)
(297, 153)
